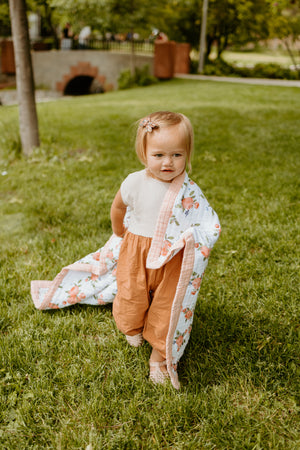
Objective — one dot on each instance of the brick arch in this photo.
(83, 69)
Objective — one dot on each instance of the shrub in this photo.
(194, 66)
(273, 71)
(220, 67)
(126, 80)
(141, 77)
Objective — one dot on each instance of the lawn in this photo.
(251, 58)
(68, 378)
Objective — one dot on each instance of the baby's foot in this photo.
(136, 340)
(158, 372)
(158, 368)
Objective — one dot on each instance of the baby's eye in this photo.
(158, 155)
(178, 155)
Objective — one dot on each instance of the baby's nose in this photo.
(168, 161)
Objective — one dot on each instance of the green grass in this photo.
(68, 379)
(252, 58)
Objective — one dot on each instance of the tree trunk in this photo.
(209, 43)
(48, 17)
(203, 37)
(290, 52)
(222, 45)
(24, 76)
(132, 53)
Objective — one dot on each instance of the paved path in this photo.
(256, 81)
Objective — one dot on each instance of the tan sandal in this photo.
(136, 340)
(157, 376)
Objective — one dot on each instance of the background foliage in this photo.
(230, 22)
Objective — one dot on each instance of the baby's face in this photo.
(166, 153)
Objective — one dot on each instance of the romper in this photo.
(144, 299)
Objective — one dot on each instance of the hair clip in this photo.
(146, 123)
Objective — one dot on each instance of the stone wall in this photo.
(53, 69)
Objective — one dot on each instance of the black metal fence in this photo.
(126, 46)
(114, 45)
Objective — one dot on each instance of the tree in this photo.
(4, 18)
(116, 16)
(181, 20)
(82, 12)
(24, 74)
(125, 17)
(128, 17)
(284, 24)
(203, 36)
(235, 22)
(228, 22)
(49, 18)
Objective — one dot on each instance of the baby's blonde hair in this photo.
(162, 119)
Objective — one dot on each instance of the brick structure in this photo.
(83, 69)
(182, 58)
(171, 58)
(7, 58)
(164, 59)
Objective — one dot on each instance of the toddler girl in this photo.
(143, 304)
(152, 269)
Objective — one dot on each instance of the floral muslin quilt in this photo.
(186, 221)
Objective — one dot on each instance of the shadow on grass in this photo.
(228, 345)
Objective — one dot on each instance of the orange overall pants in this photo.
(145, 296)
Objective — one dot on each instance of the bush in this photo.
(194, 66)
(141, 77)
(219, 67)
(126, 80)
(274, 71)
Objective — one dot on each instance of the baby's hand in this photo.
(122, 232)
